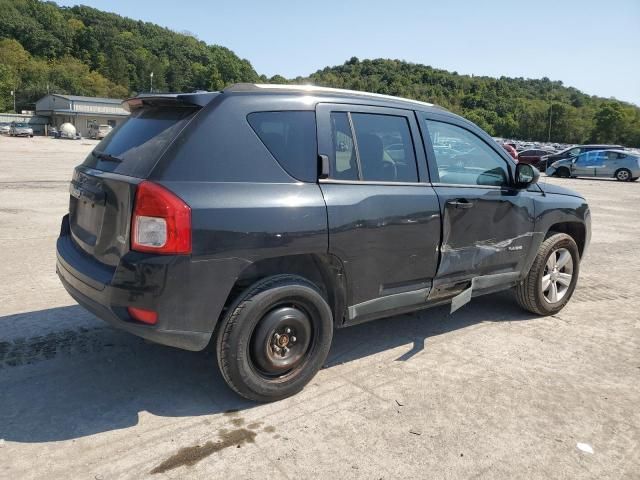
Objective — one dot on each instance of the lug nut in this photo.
(286, 350)
(276, 349)
(293, 339)
(288, 330)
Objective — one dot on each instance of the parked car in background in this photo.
(99, 131)
(619, 164)
(20, 129)
(572, 152)
(5, 128)
(263, 217)
(532, 156)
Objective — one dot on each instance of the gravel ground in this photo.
(488, 392)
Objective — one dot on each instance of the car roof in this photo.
(606, 146)
(615, 150)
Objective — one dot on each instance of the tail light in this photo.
(161, 221)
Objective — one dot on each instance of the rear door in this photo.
(487, 225)
(611, 162)
(103, 187)
(383, 215)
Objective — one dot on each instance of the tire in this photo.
(623, 175)
(246, 344)
(530, 293)
(563, 172)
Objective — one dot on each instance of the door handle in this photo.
(460, 203)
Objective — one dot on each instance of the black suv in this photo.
(264, 216)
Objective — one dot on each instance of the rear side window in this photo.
(290, 136)
(135, 146)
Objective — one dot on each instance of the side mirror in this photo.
(526, 175)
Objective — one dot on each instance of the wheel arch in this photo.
(323, 270)
(575, 230)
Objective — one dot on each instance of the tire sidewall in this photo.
(623, 179)
(238, 338)
(557, 241)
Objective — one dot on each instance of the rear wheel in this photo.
(623, 175)
(552, 278)
(274, 338)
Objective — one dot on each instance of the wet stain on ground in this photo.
(238, 422)
(189, 456)
(269, 429)
(24, 351)
(254, 425)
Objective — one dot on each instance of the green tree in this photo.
(609, 123)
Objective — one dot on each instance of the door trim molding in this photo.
(389, 302)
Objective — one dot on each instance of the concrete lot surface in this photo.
(488, 392)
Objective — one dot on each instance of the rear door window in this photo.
(345, 166)
(290, 136)
(385, 148)
(136, 145)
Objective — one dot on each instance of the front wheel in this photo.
(552, 278)
(564, 172)
(274, 338)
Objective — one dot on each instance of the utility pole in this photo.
(550, 111)
(151, 86)
(13, 94)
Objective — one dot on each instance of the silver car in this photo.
(622, 165)
(20, 130)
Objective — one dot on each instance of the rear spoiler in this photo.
(197, 99)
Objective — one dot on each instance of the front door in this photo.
(384, 218)
(587, 163)
(487, 225)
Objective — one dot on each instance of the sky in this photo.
(591, 45)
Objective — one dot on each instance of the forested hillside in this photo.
(84, 51)
(507, 107)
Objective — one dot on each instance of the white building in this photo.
(81, 111)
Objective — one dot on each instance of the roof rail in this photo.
(253, 87)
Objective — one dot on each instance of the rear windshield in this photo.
(134, 147)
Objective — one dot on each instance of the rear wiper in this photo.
(107, 157)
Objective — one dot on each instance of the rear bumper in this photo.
(175, 338)
(176, 287)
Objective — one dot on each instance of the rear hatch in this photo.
(103, 187)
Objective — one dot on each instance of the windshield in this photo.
(20, 125)
(138, 142)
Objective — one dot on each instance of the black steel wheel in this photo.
(274, 338)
